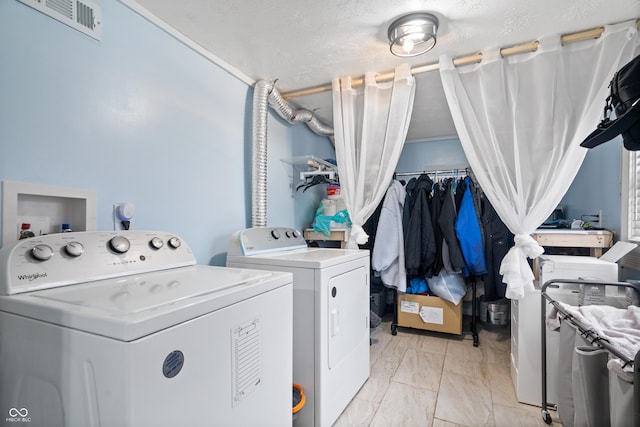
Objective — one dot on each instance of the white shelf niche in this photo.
(46, 208)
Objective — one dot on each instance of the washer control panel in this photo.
(69, 258)
(259, 240)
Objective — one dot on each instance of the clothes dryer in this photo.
(330, 315)
(123, 329)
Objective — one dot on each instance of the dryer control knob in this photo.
(42, 252)
(174, 242)
(74, 249)
(156, 243)
(275, 233)
(295, 234)
(119, 244)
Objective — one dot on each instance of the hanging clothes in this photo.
(409, 201)
(388, 250)
(420, 250)
(469, 235)
(371, 227)
(453, 259)
(436, 209)
(476, 195)
(460, 187)
(498, 241)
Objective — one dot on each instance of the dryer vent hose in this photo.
(265, 94)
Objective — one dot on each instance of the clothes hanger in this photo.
(315, 180)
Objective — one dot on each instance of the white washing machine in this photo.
(122, 329)
(330, 315)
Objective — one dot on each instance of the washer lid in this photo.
(303, 258)
(130, 307)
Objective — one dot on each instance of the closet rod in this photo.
(593, 33)
(464, 170)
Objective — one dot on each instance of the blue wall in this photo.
(433, 154)
(597, 186)
(140, 117)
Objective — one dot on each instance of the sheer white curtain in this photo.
(370, 126)
(521, 119)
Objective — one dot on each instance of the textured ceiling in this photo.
(306, 43)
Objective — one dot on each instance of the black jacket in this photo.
(408, 205)
(436, 210)
(420, 244)
(498, 241)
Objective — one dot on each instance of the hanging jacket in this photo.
(420, 245)
(498, 241)
(460, 189)
(408, 205)
(469, 235)
(371, 227)
(476, 196)
(447, 221)
(436, 208)
(388, 250)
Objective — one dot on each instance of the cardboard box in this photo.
(429, 313)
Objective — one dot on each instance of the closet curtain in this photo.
(521, 119)
(370, 127)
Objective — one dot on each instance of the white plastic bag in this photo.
(448, 286)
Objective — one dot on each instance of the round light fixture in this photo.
(413, 34)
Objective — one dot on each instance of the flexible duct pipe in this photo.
(286, 111)
(259, 154)
(266, 94)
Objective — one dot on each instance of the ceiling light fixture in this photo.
(413, 34)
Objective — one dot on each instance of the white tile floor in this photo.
(420, 378)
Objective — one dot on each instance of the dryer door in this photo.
(348, 306)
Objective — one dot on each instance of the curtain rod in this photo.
(593, 33)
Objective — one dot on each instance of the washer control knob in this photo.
(288, 234)
(42, 252)
(174, 243)
(295, 234)
(156, 243)
(275, 233)
(119, 244)
(74, 249)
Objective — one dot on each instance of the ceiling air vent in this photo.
(83, 15)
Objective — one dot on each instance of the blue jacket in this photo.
(469, 235)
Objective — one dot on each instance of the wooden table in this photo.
(337, 235)
(595, 240)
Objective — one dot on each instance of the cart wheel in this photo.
(546, 416)
(394, 330)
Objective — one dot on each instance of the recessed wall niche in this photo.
(45, 208)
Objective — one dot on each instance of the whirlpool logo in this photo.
(31, 277)
(18, 416)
